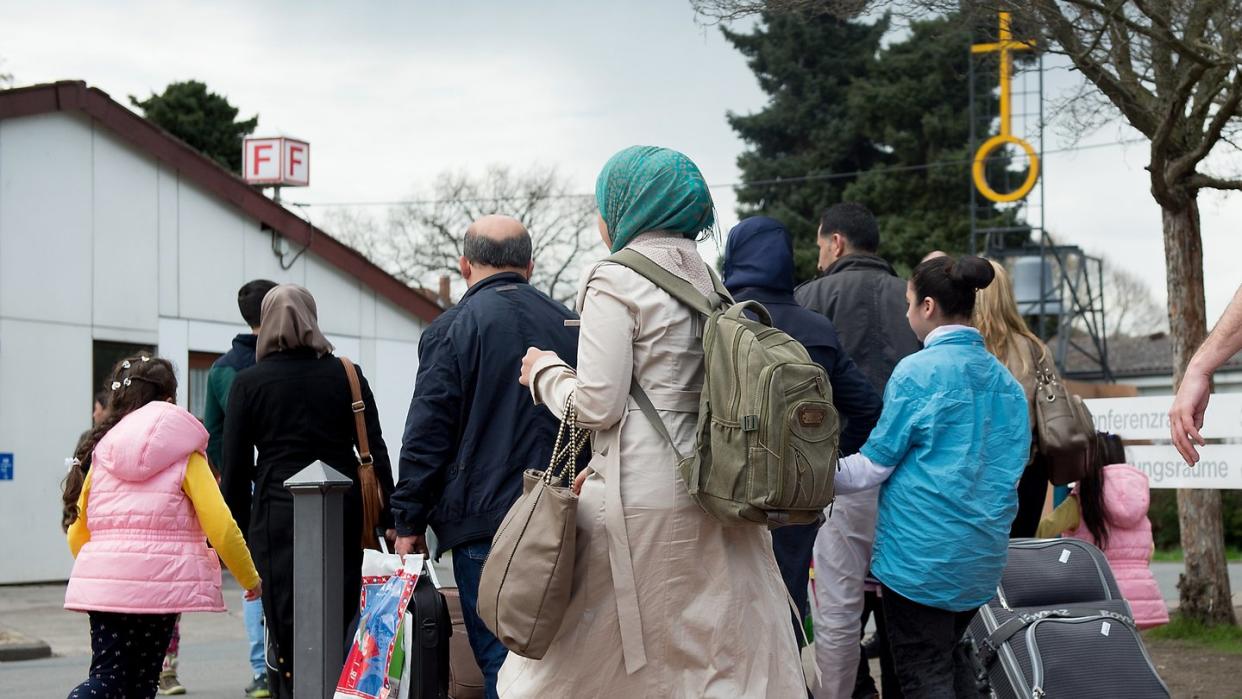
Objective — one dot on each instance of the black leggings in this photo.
(127, 653)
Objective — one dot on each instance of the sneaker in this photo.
(169, 685)
(258, 689)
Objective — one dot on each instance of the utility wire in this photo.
(817, 177)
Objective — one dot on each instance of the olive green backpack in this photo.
(765, 447)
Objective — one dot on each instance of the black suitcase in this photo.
(428, 660)
(1086, 650)
(1059, 627)
(1050, 572)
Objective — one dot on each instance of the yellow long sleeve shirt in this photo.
(214, 517)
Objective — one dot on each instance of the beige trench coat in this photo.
(666, 602)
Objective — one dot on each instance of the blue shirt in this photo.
(956, 430)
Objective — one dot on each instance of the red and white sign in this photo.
(276, 161)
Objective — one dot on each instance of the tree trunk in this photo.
(1204, 587)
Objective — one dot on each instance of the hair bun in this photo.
(973, 271)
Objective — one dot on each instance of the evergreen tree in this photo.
(842, 103)
(203, 119)
(807, 65)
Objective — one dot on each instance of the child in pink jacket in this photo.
(140, 505)
(1108, 508)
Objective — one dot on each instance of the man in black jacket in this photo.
(758, 266)
(472, 429)
(863, 296)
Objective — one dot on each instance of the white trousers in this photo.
(842, 558)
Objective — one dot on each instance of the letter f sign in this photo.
(259, 157)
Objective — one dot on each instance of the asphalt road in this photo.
(213, 646)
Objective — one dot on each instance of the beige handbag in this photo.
(527, 577)
(1064, 429)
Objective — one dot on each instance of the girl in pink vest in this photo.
(140, 505)
(1108, 508)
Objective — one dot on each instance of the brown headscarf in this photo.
(289, 320)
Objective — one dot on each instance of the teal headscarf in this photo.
(645, 188)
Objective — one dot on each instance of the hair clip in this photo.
(126, 381)
(71, 462)
(146, 359)
(125, 364)
(117, 384)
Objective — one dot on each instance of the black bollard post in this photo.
(318, 638)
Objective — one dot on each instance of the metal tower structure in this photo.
(1059, 287)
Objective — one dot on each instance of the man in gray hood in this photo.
(865, 299)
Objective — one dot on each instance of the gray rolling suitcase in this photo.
(1059, 627)
(1084, 650)
(1048, 572)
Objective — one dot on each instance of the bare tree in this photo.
(1130, 309)
(6, 78)
(419, 241)
(1173, 70)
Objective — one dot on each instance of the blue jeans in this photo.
(252, 612)
(488, 651)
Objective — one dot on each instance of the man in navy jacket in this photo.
(472, 429)
(758, 266)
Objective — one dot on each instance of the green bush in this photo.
(1163, 516)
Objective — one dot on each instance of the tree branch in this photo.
(1198, 181)
(1228, 109)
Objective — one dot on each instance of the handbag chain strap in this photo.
(569, 442)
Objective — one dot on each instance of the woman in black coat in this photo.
(294, 406)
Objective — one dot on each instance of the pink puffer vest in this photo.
(147, 553)
(1126, 496)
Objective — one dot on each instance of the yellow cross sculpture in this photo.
(1004, 46)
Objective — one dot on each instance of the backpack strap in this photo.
(674, 285)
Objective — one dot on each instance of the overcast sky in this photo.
(390, 94)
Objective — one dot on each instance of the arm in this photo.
(856, 473)
(601, 385)
(79, 533)
(237, 471)
(429, 445)
(1191, 401)
(900, 422)
(213, 516)
(1066, 517)
(219, 379)
(379, 450)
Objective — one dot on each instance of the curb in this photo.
(27, 650)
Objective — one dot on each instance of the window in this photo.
(200, 364)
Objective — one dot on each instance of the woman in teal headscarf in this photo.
(666, 601)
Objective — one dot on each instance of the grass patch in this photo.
(1233, 555)
(1226, 639)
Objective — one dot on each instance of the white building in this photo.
(113, 236)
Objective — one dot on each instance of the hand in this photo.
(1186, 416)
(582, 476)
(254, 593)
(406, 545)
(533, 354)
(390, 535)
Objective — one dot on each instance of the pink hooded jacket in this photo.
(1126, 496)
(147, 553)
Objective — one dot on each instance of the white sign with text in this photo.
(1219, 467)
(1147, 417)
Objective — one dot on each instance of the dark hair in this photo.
(103, 398)
(135, 381)
(511, 251)
(250, 300)
(952, 283)
(853, 221)
(1107, 450)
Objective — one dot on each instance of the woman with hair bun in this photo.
(950, 447)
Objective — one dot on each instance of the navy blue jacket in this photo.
(759, 267)
(472, 429)
(219, 381)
